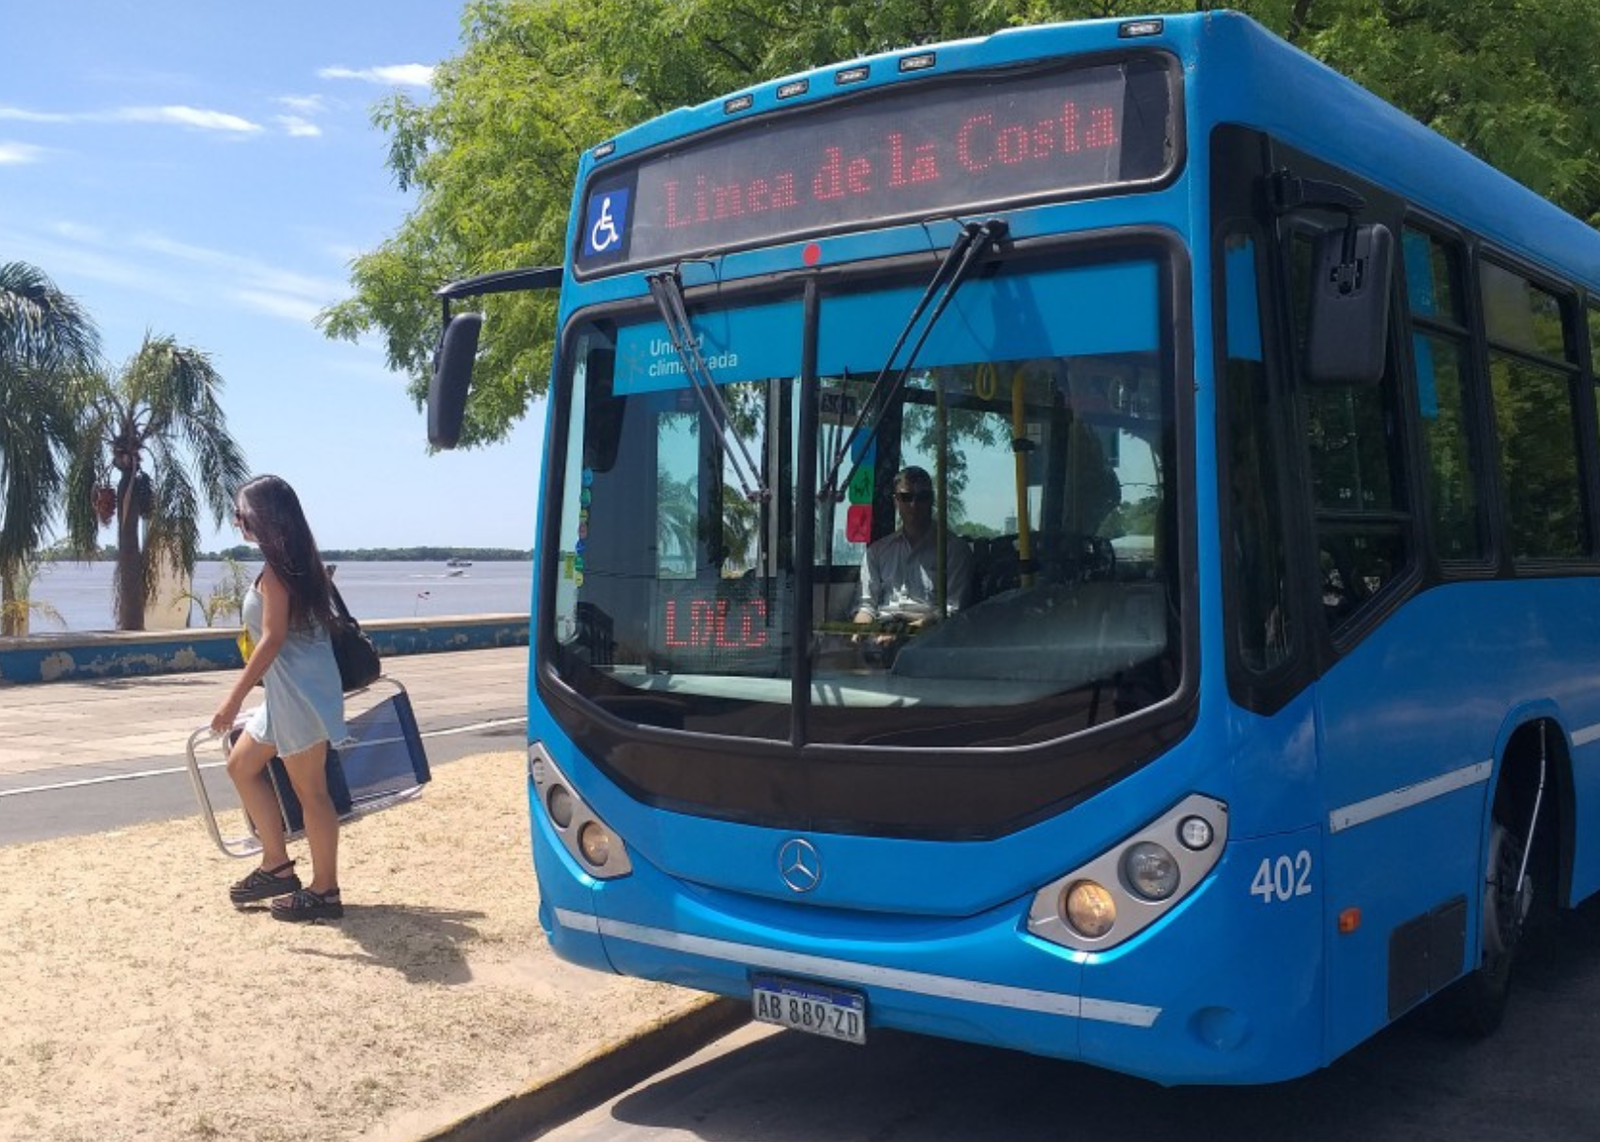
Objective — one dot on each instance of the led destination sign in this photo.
(720, 627)
(919, 151)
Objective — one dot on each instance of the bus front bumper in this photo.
(1226, 989)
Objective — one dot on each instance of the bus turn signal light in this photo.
(1349, 921)
(1090, 909)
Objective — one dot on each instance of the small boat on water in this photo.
(458, 563)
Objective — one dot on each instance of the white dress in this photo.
(305, 700)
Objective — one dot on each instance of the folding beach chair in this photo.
(384, 764)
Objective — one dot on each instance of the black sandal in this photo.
(308, 905)
(264, 884)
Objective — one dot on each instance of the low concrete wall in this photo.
(120, 654)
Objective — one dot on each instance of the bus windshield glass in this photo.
(1034, 592)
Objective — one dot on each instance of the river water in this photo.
(81, 592)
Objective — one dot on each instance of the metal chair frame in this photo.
(247, 845)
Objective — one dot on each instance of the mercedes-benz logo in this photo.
(800, 865)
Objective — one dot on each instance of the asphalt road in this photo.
(62, 803)
(86, 757)
(1535, 1080)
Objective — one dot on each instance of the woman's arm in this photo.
(274, 629)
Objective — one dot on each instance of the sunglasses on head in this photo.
(914, 497)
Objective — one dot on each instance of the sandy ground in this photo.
(136, 1003)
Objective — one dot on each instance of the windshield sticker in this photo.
(748, 344)
(606, 227)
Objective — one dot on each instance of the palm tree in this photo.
(46, 340)
(152, 432)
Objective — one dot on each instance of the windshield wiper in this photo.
(666, 289)
(964, 255)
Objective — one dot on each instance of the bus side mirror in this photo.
(1348, 327)
(452, 376)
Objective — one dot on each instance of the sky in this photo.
(209, 170)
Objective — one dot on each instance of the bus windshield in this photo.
(1040, 415)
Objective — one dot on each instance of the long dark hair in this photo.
(272, 512)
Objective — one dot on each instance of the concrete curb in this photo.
(600, 1076)
(86, 655)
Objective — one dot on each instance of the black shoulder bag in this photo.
(352, 649)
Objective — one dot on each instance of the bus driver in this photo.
(898, 575)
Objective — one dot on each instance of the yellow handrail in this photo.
(1019, 434)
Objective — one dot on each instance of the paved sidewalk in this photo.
(121, 725)
(481, 1034)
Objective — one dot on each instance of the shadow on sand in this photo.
(424, 944)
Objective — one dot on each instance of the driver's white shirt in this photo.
(897, 579)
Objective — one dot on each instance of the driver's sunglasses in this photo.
(914, 497)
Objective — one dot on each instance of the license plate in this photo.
(812, 1007)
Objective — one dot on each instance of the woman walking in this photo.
(288, 613)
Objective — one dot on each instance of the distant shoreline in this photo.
(82, 598)
(246, 554)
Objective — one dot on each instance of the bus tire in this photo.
(1477, 1003)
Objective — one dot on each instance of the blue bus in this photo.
(1255, 695)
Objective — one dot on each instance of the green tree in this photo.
(1512, 81)
(226, 600)
(677, 516)
(20, 606)
(155, 432)
(493, 155)
(46, 341)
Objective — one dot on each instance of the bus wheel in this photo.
(1482, 996)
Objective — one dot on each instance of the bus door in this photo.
(1405, 867)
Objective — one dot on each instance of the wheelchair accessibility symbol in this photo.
(608, 218)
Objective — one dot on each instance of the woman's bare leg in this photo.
(247, 766)
(309, 775)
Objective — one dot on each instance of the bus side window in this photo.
(1593, 314)
(1533, 373)
(1441, 350)
(1356, 467)
(1255, 527)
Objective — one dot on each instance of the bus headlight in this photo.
(594, 841)
(1134, 883)
(1150, 870)
(589, 840)
(1090, 909)
(559, 802)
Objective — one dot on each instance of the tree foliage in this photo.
(493, 154)
(153, 434)
(46, 341)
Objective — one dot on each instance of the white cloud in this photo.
(277, 304)
(78, 232)
(175, 114)
(188, 117)
(392, 75)
(345, 253)
(299, 128)
(179, 272)
(18, 153)
(78, 256)
(244, 271)
(26, 116)
(302, 104)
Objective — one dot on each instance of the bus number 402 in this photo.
(1283, 879)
